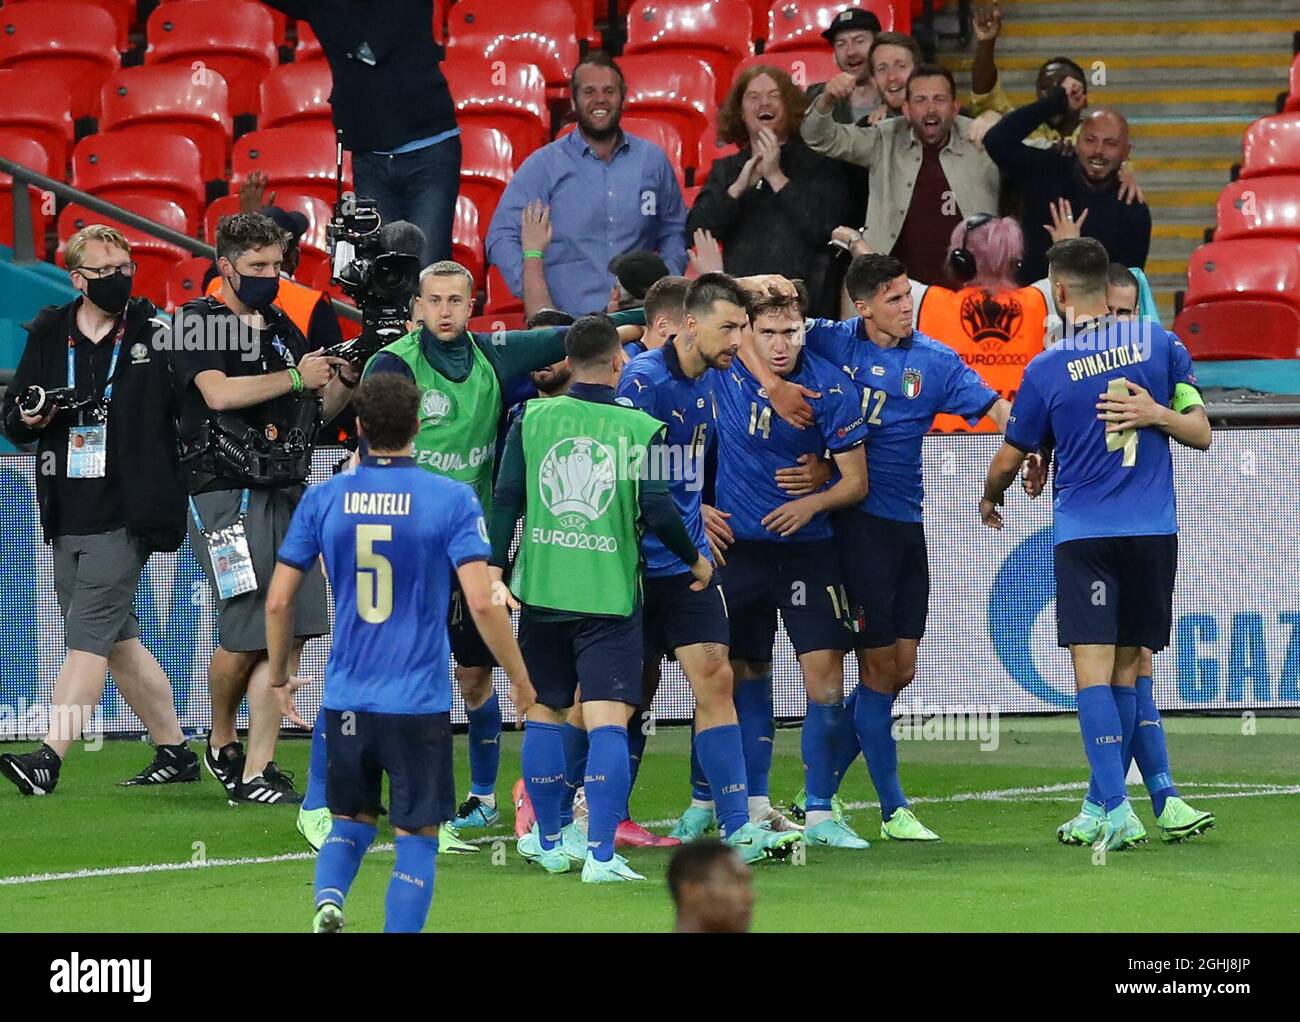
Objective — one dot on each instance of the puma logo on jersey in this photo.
(640, 386)
(680, 416)
(837, 389)
(851, 371)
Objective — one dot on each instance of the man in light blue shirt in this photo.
(608, 193)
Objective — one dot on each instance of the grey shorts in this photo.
(241, 620)
(95, 578)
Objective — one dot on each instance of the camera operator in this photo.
(109, 493)
(392, 104)
(251, 402)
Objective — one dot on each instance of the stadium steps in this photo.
(1191, 75)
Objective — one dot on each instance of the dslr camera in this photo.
(38, 401)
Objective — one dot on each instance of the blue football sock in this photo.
(484, 746)
(700, 789)
(757, 731)
(636, 737)
(820, 727)
(575, 765)
(847, 746)
(1149, 747)
(542, 762)
(723, 758)
(1127, 706)
(873, 719)
(340, 858)
(1103, 739)
(410, 889)
(314, 796)
(606, 784)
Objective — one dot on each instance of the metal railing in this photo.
(25, 250)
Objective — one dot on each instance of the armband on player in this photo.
(1186, 396)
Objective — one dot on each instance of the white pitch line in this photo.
(1041, 793)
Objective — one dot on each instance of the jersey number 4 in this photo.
(1125, 440)
(374, 575)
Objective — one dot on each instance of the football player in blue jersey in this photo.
(1115, 528)
(783, 558)
(390, 535)
(675, 384)
(904, 379)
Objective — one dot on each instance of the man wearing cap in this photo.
(850, 36)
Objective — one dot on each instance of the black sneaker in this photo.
(172, 764)
(226, 764)
(35, 772)
(271, 787)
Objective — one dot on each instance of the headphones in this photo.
(961, 262)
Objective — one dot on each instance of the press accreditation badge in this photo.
(231, 564)
(87, 452)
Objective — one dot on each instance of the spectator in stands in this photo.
(926, 176)
(392, 104)
(893, 57)
(851, 35)
(109, 493)
(608, 192)
(983, 314)
(1088, 178)
(772, 206)
(711, 889)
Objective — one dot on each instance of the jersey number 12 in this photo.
(374, 575)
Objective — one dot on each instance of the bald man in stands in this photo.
(1088, 177)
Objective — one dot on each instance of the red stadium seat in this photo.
(1272, 146)
(313, 246)
(486, 168)
(297, 94)
(712, 148)
(37, 107)
(716, 31)
(30, 154)
(1293, 98)
(146, 162)
(501, 321)
(511, 99)
(279, 21)
(75, 43)
(489, 30)
(1243, 300)
(298, 158)
(121, 11)
(1239, 330)
(172, 98)
(233, 37)
(155, 258)
(1260, 207)
(309, 48)
(584, 17)
(185, 281)
(672, 87)
(806, 67)
(466, 239)
(499, 299)
(661, 133)
(799, 24)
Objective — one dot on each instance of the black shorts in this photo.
(602, 654)
(675, 615)
(1116, 591)
(467, 646)
(414, 750)
(887, 574)
(802, 581)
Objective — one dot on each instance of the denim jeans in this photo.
(419, 186)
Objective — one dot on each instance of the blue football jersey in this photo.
(1118, 484)
(754, 441)
(901, 390)
(655, 383)
(391, 535)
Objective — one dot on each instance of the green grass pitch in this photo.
(998, 867)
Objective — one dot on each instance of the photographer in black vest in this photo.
(251, 401)
(93, 392)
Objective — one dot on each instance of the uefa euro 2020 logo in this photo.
(577, 479)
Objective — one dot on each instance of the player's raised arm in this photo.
(1185, 420)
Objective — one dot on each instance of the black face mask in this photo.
(109, 293)
(258, 292)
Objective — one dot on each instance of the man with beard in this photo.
(608, 193)
(1088, 178)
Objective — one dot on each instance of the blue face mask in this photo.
(257, 292)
